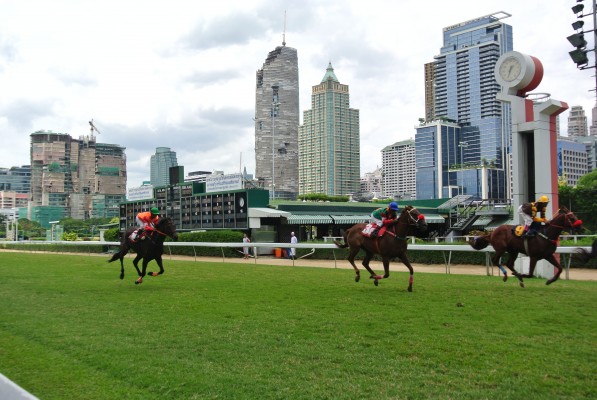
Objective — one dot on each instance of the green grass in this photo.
(69, 328)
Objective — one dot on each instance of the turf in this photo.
(70, 328)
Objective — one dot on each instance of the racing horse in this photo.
(539, 247)
(392, 244)
(151, 248)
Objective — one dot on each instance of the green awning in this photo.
(434, 219)
(309, 219)
(350, 219)
(482, 222)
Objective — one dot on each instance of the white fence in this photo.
(446, 250)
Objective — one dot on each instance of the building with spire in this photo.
(276, 123)
(329, 141)
(463, 149)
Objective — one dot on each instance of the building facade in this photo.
(577, 122)
(16, 179)
(160, 164)
(572, 160)
(429, 91)
(399, 170)
(372, 184)
(276, 123)
(465, 93)
(590, 143)
(75, 178)
(329, 141)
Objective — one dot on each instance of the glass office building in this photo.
(472, 159)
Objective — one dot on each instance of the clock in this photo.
(518, 73)
(510, 69)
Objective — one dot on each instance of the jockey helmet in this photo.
(155, 211)
(543, 199)
(393, 206)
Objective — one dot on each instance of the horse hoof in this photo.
(357, 278)
(410, 288)
(376, 282)
(121, 276)
(521, 284)
(505, 278)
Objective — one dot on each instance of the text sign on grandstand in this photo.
(144, 192)
(222, 183)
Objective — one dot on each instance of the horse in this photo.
(584, 255)
(151, 248)
(541, 246)
(392, 244)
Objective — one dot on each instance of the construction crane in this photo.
(93, 127)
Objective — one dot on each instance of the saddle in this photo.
(370, 228)
(138, 234)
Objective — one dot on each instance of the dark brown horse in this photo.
(149, 249)
(542, 246)
(392, 244)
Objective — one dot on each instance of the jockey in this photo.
(146, 221)
(384, 217)
(532, 214)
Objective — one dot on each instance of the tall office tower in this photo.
(465, 93)
(577, 122)
(160, 164)
(75, 178)
(329, 141)
(276, 123)
(429, 91)
(593, 127)
(399, 171)
(372, 183)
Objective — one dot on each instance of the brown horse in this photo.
(149, 249)
(392, 244)
(542, 246)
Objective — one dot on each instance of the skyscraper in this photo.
(329, 141)
(399, 172)
(276, 123)
(577, 122)
(160, 164)
(465, 94)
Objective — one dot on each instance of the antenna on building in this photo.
(93, 128)
(284, 33)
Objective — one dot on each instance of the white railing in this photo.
(446, 249)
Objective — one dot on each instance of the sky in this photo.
(181, 74)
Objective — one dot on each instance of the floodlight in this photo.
(577, 40)
(577, 25)
(577, 9)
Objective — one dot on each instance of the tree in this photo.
(588, 181)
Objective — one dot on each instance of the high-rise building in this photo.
(16, 179)
(399, 171)
(429, 91)
(572, 160)
(276, 123)
(329, 141)
(372, 184)
(577, 122)
(160, 164)
(590, 143)
(465, 94)
(75, 178)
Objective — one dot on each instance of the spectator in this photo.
(246, 249)
(292, 250)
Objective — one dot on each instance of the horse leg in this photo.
(353, 253)
(532, 265)
(135, 263)
(496, 259)
(158, 260)
(512, 256)
(552, 260)
(372, 274)
(406, 262)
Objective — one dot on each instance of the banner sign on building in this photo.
(144, 192)
(221, 183)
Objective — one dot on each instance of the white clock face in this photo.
(510, 69)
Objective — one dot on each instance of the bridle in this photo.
(412, 221)
(567, 219)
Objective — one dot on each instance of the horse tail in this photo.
(115, 256)
(342, 245)
(583, 255)
(479, 243)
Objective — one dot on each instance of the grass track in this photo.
(70, 328)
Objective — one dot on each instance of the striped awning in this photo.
(482, 222)
(350, 219)
(309, 219)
